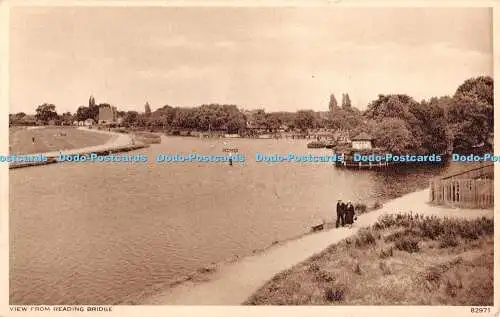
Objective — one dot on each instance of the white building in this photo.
(362, 142)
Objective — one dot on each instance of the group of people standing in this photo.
(345, 214)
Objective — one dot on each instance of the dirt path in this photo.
(233, 283)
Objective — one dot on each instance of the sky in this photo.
(279, 59)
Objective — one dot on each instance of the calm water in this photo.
(110, 233)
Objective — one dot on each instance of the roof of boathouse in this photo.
(362, 137)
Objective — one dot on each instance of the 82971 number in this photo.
(480, 310)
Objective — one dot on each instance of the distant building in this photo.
(362, 141)
(107, 114)
(89, 122)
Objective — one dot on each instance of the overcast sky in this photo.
(277, 59)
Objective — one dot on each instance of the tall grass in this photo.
(414, 228)
(434, 227)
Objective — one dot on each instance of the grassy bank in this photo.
(48, 139)
(147, 137)
(401, 259)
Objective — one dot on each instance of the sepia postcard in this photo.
(191, 158)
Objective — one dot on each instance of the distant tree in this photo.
(333, 103)
(17, 118)
(167, 112)
(46, 112)
(234, 119)
(131, 118)
(346, 101)
(91, 101)
(273, 121)
(82, 113)
(305, 120)
(142, 120)
(390, 106)
(259, 118)
(345, 119)
(67, 118)
(147, 109)
(186, 118)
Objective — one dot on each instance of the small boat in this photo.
(316, 145)
(330, 145)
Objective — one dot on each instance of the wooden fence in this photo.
(484, 171)
(467, 189)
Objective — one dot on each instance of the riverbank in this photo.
(401, 260)
(234, 283)
(117, 143)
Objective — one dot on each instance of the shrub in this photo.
(453, 284)
(385, 253)
(408, 244)
(433, 275)
(408, 232)
(448, 240)
(324, 276)
(384, 268)
(384, 221)
(313, 267)
(364, 237)
(377, 205)
(335, 294)
(360, 208)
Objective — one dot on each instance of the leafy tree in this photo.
(273, 121)
(67, 118)
(469, 122)
(82, 113)
(431, 117)
(344, 119)
(186, 118)
(398, 107)
(131, 118)
(305, 120)
(46, 112)
(234, 119)
(471, 114)
(393, 135)
(259, 119)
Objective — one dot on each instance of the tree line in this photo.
(397, 122)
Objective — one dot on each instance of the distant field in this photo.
(49, 139)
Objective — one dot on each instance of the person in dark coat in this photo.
(349, 218)
(340, 213)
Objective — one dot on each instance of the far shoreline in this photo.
(119, 143)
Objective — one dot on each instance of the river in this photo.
(104, 233)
